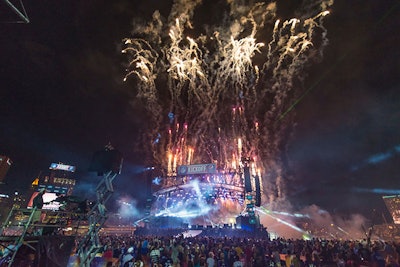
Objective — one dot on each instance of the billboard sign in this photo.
(48, 199)
(197, 169)
(62, 167)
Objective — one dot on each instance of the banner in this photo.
(197, 169)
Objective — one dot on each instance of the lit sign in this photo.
(54, 189)
(197, 169)
(62, 167)
(66, 181)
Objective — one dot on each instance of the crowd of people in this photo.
(206, 251)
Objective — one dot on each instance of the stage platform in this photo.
(204, 231)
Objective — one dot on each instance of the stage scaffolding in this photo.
(19, 228)
(23, 224)
(90, 244)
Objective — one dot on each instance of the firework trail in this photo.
(215, 92)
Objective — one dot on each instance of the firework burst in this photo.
(215, 93)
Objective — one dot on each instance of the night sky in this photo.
(62, 98)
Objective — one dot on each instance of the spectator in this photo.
(155, 255)
(108, 254)
(210, 260)
(128, 258)
(237, 262)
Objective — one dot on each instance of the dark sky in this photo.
(62, 98)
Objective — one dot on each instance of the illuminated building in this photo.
(390, 231)
(58, 181)
(7, 202)
(5, 164)
(5, 206)
(18, 201)
(393, 205)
